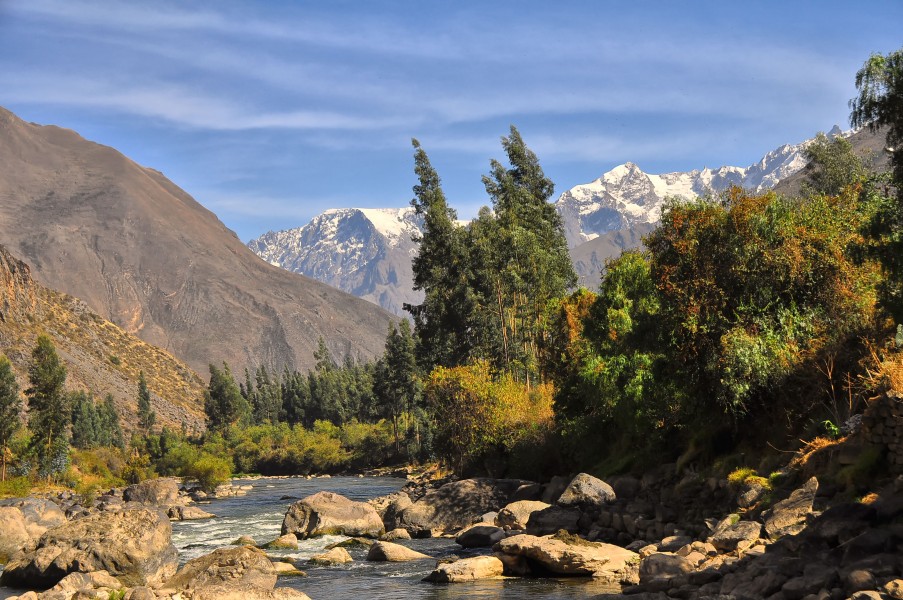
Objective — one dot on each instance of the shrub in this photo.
(210, 471)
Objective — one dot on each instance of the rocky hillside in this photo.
(99, 356)
(144, 254)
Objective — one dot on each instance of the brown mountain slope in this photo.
(99, 356)
(145, 255)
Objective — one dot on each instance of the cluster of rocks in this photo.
(882, 427)
(121, 547)
(791, 550)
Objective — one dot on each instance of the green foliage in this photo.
(48, 410)
(833, 166)
(747, 475)
(487, 285)
(94, 425)
(10, 406)
(397, 386)
(481, 420)
(726, 313)
(146, 416)
(880, 104)
(15, 487)
(224, 405)
(209, 471)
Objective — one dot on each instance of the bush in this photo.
(210, 471)
(15, 487)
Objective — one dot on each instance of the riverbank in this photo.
(804, 531)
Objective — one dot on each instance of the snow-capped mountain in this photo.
(363, 251)
(626, 196)
(368, 252)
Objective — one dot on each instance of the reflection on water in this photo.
(259, 515)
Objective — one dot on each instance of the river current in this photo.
(259, 515)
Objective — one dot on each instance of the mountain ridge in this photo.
(145, 255)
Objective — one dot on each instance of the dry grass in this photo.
(815, 453)
(885, 370)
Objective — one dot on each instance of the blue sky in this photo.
(271, 112)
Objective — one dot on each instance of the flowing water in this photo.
(259, 515)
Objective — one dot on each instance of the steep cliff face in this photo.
(145, 255)
(99, 356)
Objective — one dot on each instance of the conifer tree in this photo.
(85, 423)
(10, 405)
(396, 384)
(146, 416)
(110, 429)
(48, 409)
(528, 263)
(224, 405)
(441, 269)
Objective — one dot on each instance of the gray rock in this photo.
(289, 541)
(456, 505)
(480, 536)
(389, 507)
(389, 552)
(23, 521)
(575, 557)
(586, 491)
(395, 534)
(241, 573)
(859, 580)
(188, 513)
(467, 569)
(663, 566)
(553, 519)
(750, 493)
(517, 514)
(554, 489)
(335, 556)
(728, 538)
(134, 545)
(163, 492)
(327, 513)
(789, 516)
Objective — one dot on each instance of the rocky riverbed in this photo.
(667, 534)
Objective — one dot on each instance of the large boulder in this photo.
(467, 569)
(731, 536)
(569, 555)
(517, 514)
(23, 521)
(586, 491)
(328, 513)
(334, 556)
(663, 566)
(242, 573)
(132, 544)
(788, 516)
(553, 519)
(456, 505)
(389, 552)
(163, 492)
(389, 507)
(188, 513)
(480, 536)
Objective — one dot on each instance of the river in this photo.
(259, 515)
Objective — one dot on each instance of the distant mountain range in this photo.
(367, 252)
(145, 255)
